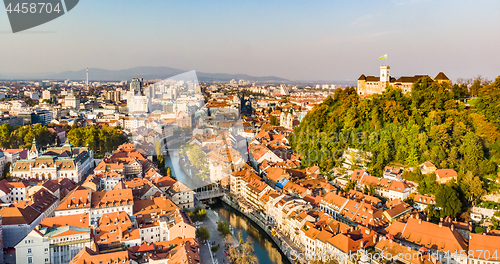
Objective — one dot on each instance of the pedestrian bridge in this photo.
(214, 193)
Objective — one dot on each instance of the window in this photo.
(30, 260)
(29, 250)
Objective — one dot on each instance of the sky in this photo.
(297, 40)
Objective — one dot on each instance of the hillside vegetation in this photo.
(427, 124)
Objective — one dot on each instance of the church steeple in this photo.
(67, 146)
(33, 153)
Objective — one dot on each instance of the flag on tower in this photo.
(383, 57)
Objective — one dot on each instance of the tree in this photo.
(214, 248)
(427, 184)
(242, 254)
(473, 152)
(465, 217)
(100, 140)
(6, 170)
(432, 213)
(23, 136)
(240, 238)
(198, 214)
(478, 230)
(5, 134)
(202, 233)
(159, 154)
(494, 223)
(351, 185)
(447, 199)
(371, 190)
(472, 186)
(488, 103)
(274, 121)
(197, 158)
(223, 228)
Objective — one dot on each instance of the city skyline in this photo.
(293, 40)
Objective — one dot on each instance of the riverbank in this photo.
(285, 250)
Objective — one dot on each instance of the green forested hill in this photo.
(427, 124)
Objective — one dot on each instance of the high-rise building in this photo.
(136, 85)
(112, 96)
(150, 91)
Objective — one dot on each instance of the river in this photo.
(265, 250)
(172, 161)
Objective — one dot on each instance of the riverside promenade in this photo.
(206, 254)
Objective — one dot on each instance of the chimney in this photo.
(440, 224)
(362, 243)
(417, 216)
(419, 221)
(452, 227)
(375, 239)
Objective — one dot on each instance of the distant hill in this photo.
(142, 72)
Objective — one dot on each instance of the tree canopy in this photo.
(23, 136)
(99, 140)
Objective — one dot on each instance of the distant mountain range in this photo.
(147, 73)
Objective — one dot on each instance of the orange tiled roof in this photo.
(428, 234)
(112, 198)
(18, 216)
(159, 205)
(446, 173)
(75, 199)
(87, 256)
(80, 220)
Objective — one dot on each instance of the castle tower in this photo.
(385, 73)
(385, 78)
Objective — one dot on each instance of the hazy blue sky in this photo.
(299, 40)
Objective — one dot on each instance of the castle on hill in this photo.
(368, 85)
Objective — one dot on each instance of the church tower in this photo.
(33, 152)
